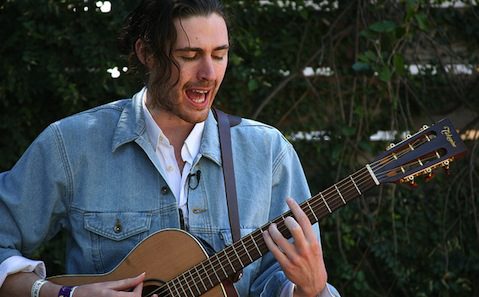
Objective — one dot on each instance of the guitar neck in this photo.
(240, 254)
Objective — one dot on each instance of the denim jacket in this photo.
(95, 175)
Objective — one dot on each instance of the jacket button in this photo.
(117, 228)
(164, 190)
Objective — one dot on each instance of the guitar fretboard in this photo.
(212, 271)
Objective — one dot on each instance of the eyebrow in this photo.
(198, 49)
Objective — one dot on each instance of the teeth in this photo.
(200, 91)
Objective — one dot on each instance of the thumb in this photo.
(128, 283)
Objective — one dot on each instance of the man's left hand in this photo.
(302, 260)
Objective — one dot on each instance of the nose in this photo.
(207, 71)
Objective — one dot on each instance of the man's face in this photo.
(201, 51)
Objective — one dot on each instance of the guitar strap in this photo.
(225, 122)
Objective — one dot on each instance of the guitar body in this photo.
(163, 256)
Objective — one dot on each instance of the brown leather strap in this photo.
(225, 122)
(224, 125)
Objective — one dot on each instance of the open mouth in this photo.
(197, 96)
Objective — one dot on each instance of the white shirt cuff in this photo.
(17, 264)
(288, 291)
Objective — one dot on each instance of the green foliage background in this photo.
(394, 241)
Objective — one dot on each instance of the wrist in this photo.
(66, 291)
(50, 290)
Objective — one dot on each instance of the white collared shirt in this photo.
(166, 156)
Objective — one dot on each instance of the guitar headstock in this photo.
(419, 154)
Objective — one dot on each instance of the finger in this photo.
(127, 283)
(138, 289)
(282, 242)
(298, 235)
(274, 249)
(302, 219)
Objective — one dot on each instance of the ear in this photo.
(142, 53)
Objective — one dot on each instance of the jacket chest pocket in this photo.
(114, 234)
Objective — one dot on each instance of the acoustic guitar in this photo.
(176, 264)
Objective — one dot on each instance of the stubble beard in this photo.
(165, 99)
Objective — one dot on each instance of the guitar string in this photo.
(247, 245)
(325, 193)
(345, 192)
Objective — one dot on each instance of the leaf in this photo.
(398, 61)
(368, 57)
(252, 85)
(421, 21)
(385, 74)
(348, 131)
(384, 26)
(368, 34)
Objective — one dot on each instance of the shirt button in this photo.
(164, 190)
(169, 168)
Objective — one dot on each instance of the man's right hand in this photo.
(120, 288)
(19, 285)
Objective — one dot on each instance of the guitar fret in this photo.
(325, 203)
(254, 242)
(246, 250)
(188, 284)
(169, 289)
(174, 287)
(221, 265)
(340, 194)
(181, 287)
(214, 271)
(355, 185)
(228, 258)
(201, 279)
(312, 211)
(194, 282)
(239, 259)
(207, 275)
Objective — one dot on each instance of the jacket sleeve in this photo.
(288, 181)
(32, 196)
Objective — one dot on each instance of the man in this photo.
(115, 174)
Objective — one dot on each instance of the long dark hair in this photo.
(152, 22)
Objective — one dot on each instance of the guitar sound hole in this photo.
(149, 291)
(151, 286)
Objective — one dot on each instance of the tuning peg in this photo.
(424, 127)
(429, 177)
(445, 165)
(390, 146)
(410, 181)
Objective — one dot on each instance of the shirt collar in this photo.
(131, 126)
(190, 148)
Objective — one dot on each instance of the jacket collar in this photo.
(210, 142)
(131, 127)
(131, 124)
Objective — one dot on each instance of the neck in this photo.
(174, 128)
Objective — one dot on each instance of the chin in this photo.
(196, 116)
